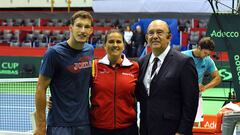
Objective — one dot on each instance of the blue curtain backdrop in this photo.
(173, 24)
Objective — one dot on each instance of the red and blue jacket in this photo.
(113, 104)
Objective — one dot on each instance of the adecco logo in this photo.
(220, 34)
(210, 124)
(237, 63)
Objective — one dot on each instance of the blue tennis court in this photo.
(15, 112)
(17, 102)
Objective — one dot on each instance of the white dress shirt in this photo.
(127, 36)
(148, 78)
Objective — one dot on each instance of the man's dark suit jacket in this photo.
(172, 104)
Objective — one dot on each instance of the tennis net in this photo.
(16, 104)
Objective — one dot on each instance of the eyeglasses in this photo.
(158, 33)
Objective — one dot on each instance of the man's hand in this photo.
(201, 88)
(49, 103)
(40, 131)
(179, 134)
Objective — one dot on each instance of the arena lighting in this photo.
(216, 5)
(69, 5)
(238, 7)
(217, 2)
(52, 5)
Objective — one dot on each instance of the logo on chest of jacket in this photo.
(128, 74)
(103, 71)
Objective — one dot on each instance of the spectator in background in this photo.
(66, 68)
(204, 63)
(117, 25)
(138, 42)
(166, 86)
(113, 104)
(127, 39)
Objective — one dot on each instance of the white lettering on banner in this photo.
(210, 125)
(9, 68)
(9, 72)
(10, 65)
(237, 63)
(219, 34)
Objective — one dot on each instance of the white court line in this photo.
(14, 133)
(17, 107)
(3, 80)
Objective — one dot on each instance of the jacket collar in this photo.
(106, 61)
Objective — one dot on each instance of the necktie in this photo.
(154, 67)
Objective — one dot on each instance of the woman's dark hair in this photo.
(110, 32)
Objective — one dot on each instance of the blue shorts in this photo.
(81, 130)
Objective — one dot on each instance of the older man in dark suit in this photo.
(167, 88)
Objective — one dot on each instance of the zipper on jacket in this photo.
(114, 100)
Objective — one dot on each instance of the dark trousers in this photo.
(140, 49)
(128, 49)
(80, 130)
(229, 122)
(132, 130)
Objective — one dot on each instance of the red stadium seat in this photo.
(211, 124)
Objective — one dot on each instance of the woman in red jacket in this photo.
(113, 104)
